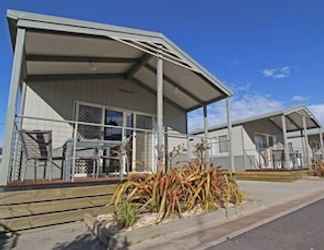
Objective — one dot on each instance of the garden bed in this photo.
(150, 199)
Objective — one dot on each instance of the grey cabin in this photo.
(90, 100)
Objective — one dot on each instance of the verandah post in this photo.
(284, 133)
(16, 76)
(229, 127)
(321, 143)
(160, 132)
(307, 160)
(206, 134)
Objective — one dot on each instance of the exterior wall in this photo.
(263, 127)
(298, 143)
(243, 143)
(55, 99)
(222, 159)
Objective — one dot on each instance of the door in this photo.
(86, 114)
(143, 143)
(118, 125)
(114, 133)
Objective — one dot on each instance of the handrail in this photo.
(81, 123)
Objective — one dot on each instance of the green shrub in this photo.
(125, 214)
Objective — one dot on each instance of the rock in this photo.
(106, 230)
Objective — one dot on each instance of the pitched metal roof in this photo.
(294, 119)
(150, 43)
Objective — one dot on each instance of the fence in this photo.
(46, 149)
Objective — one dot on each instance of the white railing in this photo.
(69, 135)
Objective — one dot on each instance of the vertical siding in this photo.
(55, 99)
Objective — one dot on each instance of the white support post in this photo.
(321, 143)
(16, 76)
(206, 133)
(229, 127)
(307, 160)
(159, 79)
(189, 149)
(303, 146)
(243, 147)
(17, 151)
(75, 136)
(284, 133)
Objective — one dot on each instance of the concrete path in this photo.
(71, 236)
(272, 200)
(260, 194)
(301, 230)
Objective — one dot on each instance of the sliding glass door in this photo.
(144, 143)
(118, 125)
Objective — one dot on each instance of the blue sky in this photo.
(271, 53)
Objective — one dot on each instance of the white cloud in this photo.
(277, 73)
(299, 98)
(318, 110)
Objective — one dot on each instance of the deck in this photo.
(49, 205)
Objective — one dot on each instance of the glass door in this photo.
(86, 115)
(112, 134)
(113, 118)
(144, 143)
(117, 126)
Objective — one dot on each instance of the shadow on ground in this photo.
(88, 241)
(84, 241)
(7, 241)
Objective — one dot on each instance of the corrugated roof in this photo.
(149, 42)
(287, 112)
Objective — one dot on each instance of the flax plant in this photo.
(179, 190)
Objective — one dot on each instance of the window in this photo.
(89, 114)
(223, 144)
(144, 122)
(271, 141)
(263, 141)
(113, 118)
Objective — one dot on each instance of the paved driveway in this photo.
(301, 230)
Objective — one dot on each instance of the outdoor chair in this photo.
(86, 154)
(37, 147)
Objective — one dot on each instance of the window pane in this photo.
(223, 144)
(113, 118)
(144, 122)
(260, 142)
(90, 114)
(129, 124)
(271, 141)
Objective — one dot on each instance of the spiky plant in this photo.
(178, 190)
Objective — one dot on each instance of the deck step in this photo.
(21, 210)
(36, 221)
(19, 197)
(275, 176)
